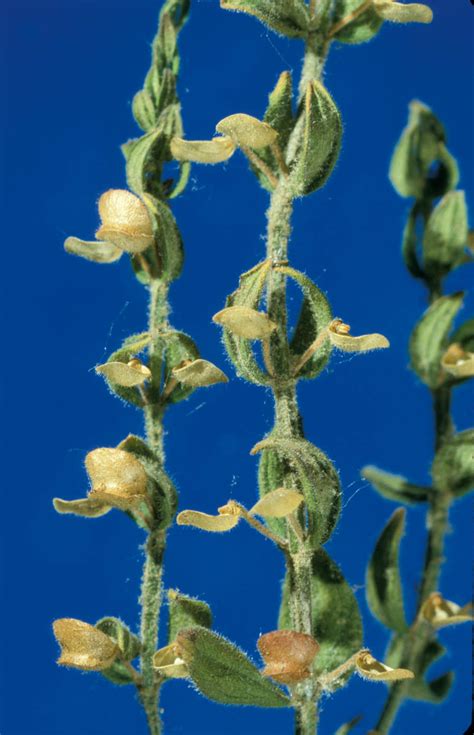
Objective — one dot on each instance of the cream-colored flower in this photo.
(217, 150)
(368, 667)
(247, 131)
(125, 374)
(339, 335)
(83, 646)
(95, 250)
(206, 522)
(277, 503)
(440, 612)
(125, 221)
(403, 12)
(118, 480)
(168, 663)
(245, 322)
(199, 373)
(458, 362)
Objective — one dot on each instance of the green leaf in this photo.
(161, 489)
(446, 235)
(279, 115)
(383, 585)
(118, 674)
(395, 487)
(310, 471)
(288, 17)
(435, 690)
(314, 316)
(223, 673)
(453, 465)
(128, 643)
(362, 28)
(430, 337)
(239, 349)
(169, 244)
(421, 166)
(138, 153)
(347, 727)
(337, 624)
(410, 242)
(143, 110)
(318, 152)
(186, 612)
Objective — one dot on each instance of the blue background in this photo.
(70, 73)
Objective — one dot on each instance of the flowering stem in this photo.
(151, 591)
(437, 521)
(288, 423)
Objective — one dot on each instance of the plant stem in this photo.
(151, 590)
(288, 421)
(437, 522)
(151, 602)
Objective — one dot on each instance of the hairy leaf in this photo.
(421, 166)
(383, 585)
(318, 152)
(288, 17)
(364, 27)
(314, 316)
(186, 612)
(279, 115)
(453, 465)
(223, 673)
(395, 487)
(430, 338)
(446, 235)
(315, 476)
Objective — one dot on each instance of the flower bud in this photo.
(277, 503)
(403, 13)
(168, 663)
(83, 646)
(287, 655)
(246, 130)
(125, 221)
(97, 251)
(440, 612)
(202, 151)
(339, 335)
(206, 522)
(245, 322)
(198, 374)
(457, 362)
(125, 374)
(368, 667)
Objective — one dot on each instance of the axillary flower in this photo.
(126, 226)
(118, 480)
(287, 655)
(83, 646)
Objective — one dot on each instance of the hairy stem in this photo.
(437, 522)
(288, 421)
(151, 590)
(151, 602)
